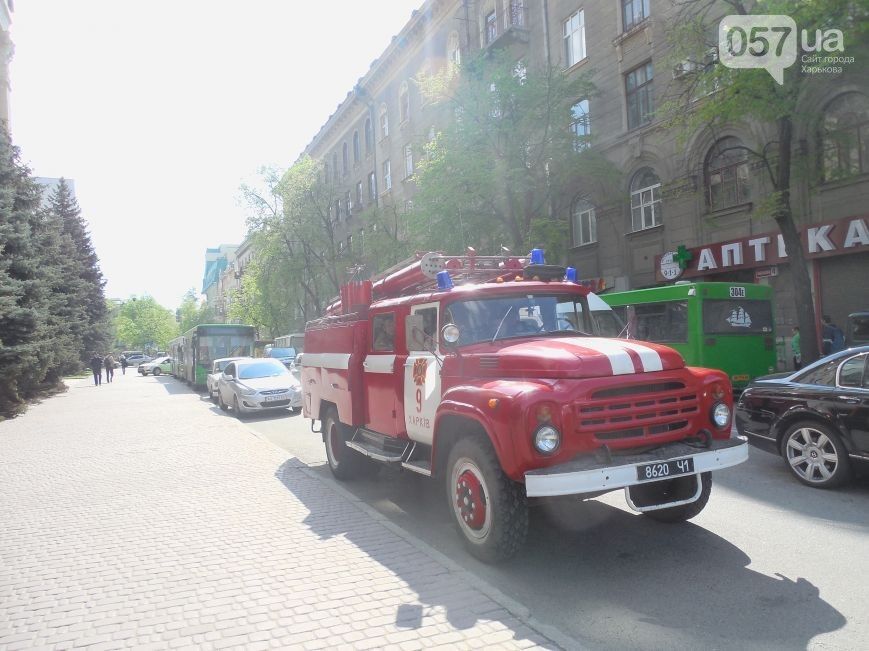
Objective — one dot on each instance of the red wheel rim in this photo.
(471, 500)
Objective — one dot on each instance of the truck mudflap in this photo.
(590, 474)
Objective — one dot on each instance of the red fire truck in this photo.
(504, 378)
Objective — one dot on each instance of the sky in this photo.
(159, 110)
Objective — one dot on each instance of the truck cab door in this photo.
(379, 375)
(422, 378)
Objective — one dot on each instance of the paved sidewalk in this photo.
(136, 514)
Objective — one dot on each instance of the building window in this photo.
(638, 90)
(335, 165)
(357, 155)
(634, 12)
(348, 201)
(403, 103)
(515, 14)
(372, 186)
(845, 137)
(408, 205)
(727, 173)
(387, 176)
(574, 39)
(337, 210)
(359, 195)
(580, 126)
(369, 136)
(645, 200)
(454, 50)
(491, 27)
(519, 71)
(384, 122)
(345, 159)
(408, 161)
(583, 223)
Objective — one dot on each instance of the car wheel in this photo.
(489, 509)
(296, 410)
(685, 512)
(815, 455)
(156, 371)
(220, 403)
(345, 463)
(212, 394)
(237, 408)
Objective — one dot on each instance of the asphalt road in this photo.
(769, 564)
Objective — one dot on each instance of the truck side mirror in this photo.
(414, 333)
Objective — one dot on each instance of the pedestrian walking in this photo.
(834, 338)
(109, 362)
(123, 361)
(96, 364)
(795, 349)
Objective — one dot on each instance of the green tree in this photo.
(193, 312)
(506, 164)
(143, 323)
(713, 96)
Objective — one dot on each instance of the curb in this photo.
(520, 612)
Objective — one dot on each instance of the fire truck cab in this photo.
(504, 378)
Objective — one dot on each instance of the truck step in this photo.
(422, 466)
(379, 447)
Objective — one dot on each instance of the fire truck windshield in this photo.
(521, 315)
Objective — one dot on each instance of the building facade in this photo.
(217, 260)
(679, 192)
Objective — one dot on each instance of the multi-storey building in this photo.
(230, 278)
(216, 262)
(697, 195)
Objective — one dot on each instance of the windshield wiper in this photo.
(503, 318)
(570, 331)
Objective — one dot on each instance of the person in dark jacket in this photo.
(96, 364)
(109, 363)
(834, 338)
(123, 361)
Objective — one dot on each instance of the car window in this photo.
(265, 368)
(822, 375)
(383, 332)
(230, 369)
(851, 372)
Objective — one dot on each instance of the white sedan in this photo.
(256, 385)
(217, 367)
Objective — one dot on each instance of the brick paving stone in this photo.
(169, 525)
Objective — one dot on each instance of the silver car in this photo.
(256, 385)
(217, 367)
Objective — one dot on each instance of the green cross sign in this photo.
(683, 257)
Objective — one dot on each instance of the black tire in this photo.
(345, 463)
(825, 460)
(236, 408)
(156, 371)
(296, 410)
(223, 406)
(474, 480)
(685, 512)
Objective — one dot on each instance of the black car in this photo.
(817, 418)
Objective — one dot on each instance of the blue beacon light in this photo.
(537, 256)
(444, 280)
(570, 274)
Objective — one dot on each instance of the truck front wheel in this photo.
(489, 509)
(685, 512)
(345, 463)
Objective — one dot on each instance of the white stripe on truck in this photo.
(327, 360)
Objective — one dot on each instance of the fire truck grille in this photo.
(637, 412)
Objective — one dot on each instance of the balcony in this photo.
(505, 25)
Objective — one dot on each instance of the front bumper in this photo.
(256, 402)
(591, 475)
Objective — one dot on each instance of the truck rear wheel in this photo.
(345, 463)
(489, 509)
(685, 512)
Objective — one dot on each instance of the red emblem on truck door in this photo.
(419, 367)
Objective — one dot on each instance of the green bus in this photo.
(193, 352)
(728, 326)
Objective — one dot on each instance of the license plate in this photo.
(275, 398)
(664, 469)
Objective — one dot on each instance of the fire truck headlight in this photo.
(720, 415)
(547, 439)
(450, 333)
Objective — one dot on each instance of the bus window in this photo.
(736, 317)
(659, 322)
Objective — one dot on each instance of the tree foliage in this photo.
(713, 97)
(505, 166)
(143, 323)
(193, 312)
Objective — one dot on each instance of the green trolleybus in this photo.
(193, 352)
(728, 326)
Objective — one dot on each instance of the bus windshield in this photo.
(217, 346)
(526, 315)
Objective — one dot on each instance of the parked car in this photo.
(217, 367)
(857, 329)
(817, 418)
(285, 355)
(255, 385)
(156, 366)
(134, 358)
